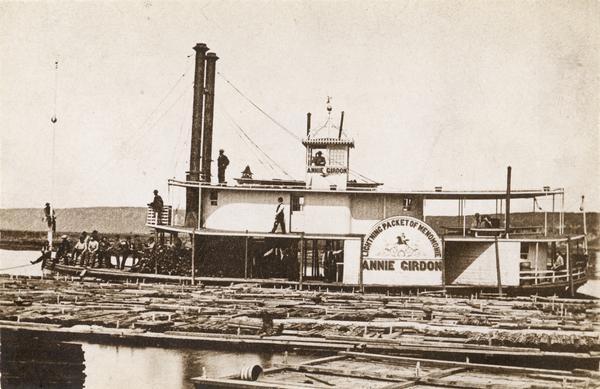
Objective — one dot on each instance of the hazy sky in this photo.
(435, 93)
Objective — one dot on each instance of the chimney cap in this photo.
(201, 47)
(212, 55)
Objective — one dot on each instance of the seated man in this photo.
(486, 222)
(64, 248)
(559, 262)
(79, 251)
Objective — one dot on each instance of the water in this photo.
(37, 360)
(116, 366)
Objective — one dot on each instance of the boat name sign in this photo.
(402, 250)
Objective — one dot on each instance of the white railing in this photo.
(550, 276)
(165, 216)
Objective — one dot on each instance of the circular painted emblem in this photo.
(402, 237)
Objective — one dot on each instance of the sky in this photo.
(435, 93)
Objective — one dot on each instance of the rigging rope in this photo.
(255, 145)
(259, 108)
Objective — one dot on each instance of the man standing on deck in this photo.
(50, 217)
(279, 216)
(157, 206)
(222, 163)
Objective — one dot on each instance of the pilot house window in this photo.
(337, 157)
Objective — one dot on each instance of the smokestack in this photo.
(507, 227)
(308, 124)
(196, 141)
(191, 195)
(209, 108)
(341, 125)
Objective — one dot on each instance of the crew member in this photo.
(46, 254)
(115, 250)
(64, 248)
(476, 222)
(279, 216)
(93, 247)
(319, 159)
(50, 217)
(222, 163)
(125, 251)
(559, 262)
(486, 222)
(157, 206)
(79, 250)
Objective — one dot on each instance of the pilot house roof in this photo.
(328, 141)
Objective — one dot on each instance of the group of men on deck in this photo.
(94, 251)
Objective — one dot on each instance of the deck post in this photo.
(302, 254)
(585, 241)
(193, 256)
(498, 265)
(444, 263)
(246, 256)
(360, 274)
(570, 265)
(537, 248)
(507, 219)
(464, 218)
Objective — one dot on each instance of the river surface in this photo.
(111, 366)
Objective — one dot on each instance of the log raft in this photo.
(561, 330)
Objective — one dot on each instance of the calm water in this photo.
(108, 366)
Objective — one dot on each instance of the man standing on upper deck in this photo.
(222, 163)
(279, 216)
(157, 206)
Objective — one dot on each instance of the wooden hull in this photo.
(558, 288)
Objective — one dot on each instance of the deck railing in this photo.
(165, 218)
(536, 277)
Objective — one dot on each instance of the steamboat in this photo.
(338, 232)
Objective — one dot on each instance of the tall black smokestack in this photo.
(209, 108)
(191, 195)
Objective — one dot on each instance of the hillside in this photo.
(131, 220)
(111, 220)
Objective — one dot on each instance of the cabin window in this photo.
(407, 204)
(214, 197)
(297, 203)
(524, 250)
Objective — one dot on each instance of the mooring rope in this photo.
(19, 266)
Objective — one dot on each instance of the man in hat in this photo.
(157, 206)
(64, 248)
(319, 159)
(222, 163)
(279, 216)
